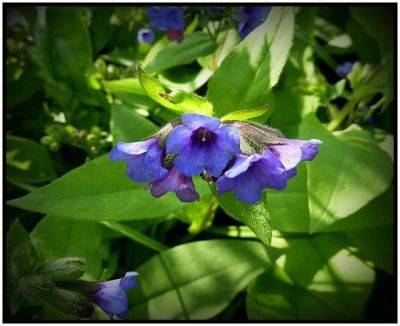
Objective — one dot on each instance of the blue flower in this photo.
(250, 174)
(145, 35)
(111, 296)
(252, 17)
(177, 182)
(168, 19)
(203, 143)
(343, 69)
(143, 159)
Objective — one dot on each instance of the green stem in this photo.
(135, 236)
(342, 114)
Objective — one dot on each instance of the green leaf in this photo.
(179, 101)
(226, 40)
(316, 277)
(184, 78)
(253, 67)
(195, 45)
(56, 237)
(255, 216)
(98, 190)
(196, 280)
(135, 235)
(376, 214)
(288, 208)
(355, 171)
(244, 114)
(129, 126)
(27, 161)
(130, 91)
(379, 23)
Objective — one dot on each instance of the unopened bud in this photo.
(64, 269)
(35, 286)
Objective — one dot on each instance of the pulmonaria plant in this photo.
(240, 156)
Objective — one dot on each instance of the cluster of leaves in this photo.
(312, 251)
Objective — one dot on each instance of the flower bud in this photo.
(64, 269)
(35, 286)
(71, 303)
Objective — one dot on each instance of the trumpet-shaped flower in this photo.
(111, 296)
(143, 159)
(176, 182)
(202, 143)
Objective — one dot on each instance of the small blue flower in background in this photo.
(343, 69)
(251, 18)
(168, 19)
(143, 159)
(145, 35)
(203, 143)
(177, 182)
(111, 296)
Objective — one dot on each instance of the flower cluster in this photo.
(344, 69)
(243, 157)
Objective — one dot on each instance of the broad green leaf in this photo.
(376, 214)
(378, 23)
(288, 208)
(316, 277)
(129, 126)
(179, 101)
(98, 190)
(376, 245)
(195, 45)
(255, 216)
(355, 171)
(252, 68)
(184, 78)
(130, 91)
(28, 161)
(195, 280)
(55, 237)
(289, 104)
(244, 114)
(226, 42)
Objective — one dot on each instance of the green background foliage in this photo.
(78, 81)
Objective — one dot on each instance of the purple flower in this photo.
(343, 69)
(294, 151)
(143, 159)
(203, 143)
(111, 296)
(168, 19)
(177, 182)
(252, 17)
(250, 174)
(145, 35)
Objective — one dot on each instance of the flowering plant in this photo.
(244, 171)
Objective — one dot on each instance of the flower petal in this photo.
(216, 159)
(111, 298)
(195, 121)
(177, 182)
(310, 149)
(191, 160)
(242, 163)
(228, 138)
(289, 154)
(128, 281)
(178, 139)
